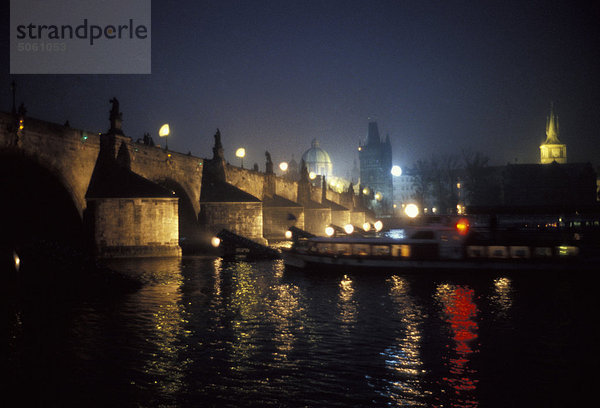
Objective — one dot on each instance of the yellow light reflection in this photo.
(246, 305)
(406, 388)
(285, 313)
(346, 303)
(159, 301)
(503, 296)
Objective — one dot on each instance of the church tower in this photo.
(375, 158)
(553, 150)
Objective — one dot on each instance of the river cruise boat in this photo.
(437, 248)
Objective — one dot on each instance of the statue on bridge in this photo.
(115, 107)
(218, 148)
(269, 165)
(148, 141)
(116, 117)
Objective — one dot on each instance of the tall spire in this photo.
(552, 128)
(373, 134)
(552, 150)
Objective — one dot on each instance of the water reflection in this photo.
(246, 307)
(286, 314)
(148, 328)
(220, 333)
(459, 312)
(503, 296)
(346, 303)
(405, 385)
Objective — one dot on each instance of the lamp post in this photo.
(241, 152)
(164, 132)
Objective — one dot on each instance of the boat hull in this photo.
(297, 260)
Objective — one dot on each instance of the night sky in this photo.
(438, 77)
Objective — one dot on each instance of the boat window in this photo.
(381, 250)
(360, 249)
(401, 250)
(325, 248)
(343, 249)
(423, 235)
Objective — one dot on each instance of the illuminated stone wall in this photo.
(286, 188)
(130, 227)
(250, 181)
(340, 218)
(242, 218)
(316, 220)
(276, 221)
(358, 218)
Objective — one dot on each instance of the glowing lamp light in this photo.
(17, 261)
(396, 171)
(164, 130)
(329, 231)
(378, 226)
(378, 196)
(215, 242)
(462, 226)
(349, 228)
(411, 210)
(241, 153)
(288, 234)
(312, 175)
(366, 226)
(283, 166)
(366, 191)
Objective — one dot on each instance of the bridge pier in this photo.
(127, 214)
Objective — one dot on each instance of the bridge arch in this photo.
(188, 217)
(38, 206)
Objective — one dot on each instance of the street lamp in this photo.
(164, 132)
(411, 210)
(283, 166)
(396, 171)
(241, 152)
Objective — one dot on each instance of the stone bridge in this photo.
(70, 156)
(41, 161)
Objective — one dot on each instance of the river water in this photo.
(203, 332)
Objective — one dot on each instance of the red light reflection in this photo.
(460, 312)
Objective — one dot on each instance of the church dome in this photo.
(317, 160)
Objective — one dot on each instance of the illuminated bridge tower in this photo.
(553, 150)
(375, 158)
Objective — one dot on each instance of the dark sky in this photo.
(438, 76)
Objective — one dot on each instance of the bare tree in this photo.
(478, 185)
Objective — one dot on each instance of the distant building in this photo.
(556, 186)
(404, 189)
(317, 160)
(375, 157)
(553, 150)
